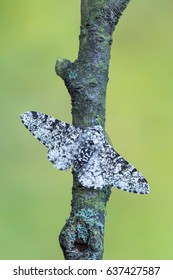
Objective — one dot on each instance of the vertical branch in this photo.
(86, 80)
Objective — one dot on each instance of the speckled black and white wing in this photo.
(61, 139)
(95, 162)
(107, 168)
(121, 174)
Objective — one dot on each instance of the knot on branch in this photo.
(61, 66)
(79, 241)
(69, 72)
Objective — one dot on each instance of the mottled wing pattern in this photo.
(87, 150)
(61, 139)
(121, 174)
(107, 168)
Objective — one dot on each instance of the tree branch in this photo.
(86, 80)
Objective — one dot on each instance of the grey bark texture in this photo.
(86, 79)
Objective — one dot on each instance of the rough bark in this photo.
(86, 80)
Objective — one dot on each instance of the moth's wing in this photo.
(107, 168)
(119, 173)
(60, 138)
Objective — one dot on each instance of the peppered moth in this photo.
(87, 150)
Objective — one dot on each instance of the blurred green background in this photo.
(34, 196)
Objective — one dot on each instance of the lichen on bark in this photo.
(86, 79)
